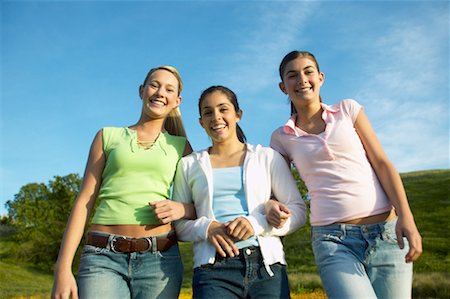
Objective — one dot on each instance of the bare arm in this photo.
(187, 149)
(392, 185)
(168, 210)
(64, 284)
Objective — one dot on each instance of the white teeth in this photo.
(218, 127)
(158, 102)
(303, 89)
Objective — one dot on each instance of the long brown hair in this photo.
(173, 123)
(292, 56)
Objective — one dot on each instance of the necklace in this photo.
(146, 144)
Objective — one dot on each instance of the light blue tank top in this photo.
(229, 200)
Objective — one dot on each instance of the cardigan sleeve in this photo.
(285, 190)
(187, 230)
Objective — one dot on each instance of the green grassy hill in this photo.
(429, 196)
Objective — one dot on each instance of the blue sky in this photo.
(69, 68)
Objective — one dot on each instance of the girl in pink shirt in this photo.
(364, 236)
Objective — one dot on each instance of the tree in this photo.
(39, 213)
(300, 183)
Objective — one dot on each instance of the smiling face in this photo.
(301, 81)
(159, 94)
(218, 117)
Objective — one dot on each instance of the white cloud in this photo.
(406, 93)
(262, 44)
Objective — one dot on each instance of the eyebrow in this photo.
(157, 81)
(220, 105)
(305, 68)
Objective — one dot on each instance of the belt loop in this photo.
(344, 231)
(154, 244)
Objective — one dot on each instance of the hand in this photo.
(276, 213)
(240, 229)
(407, 228)
(218, 236)
(168, 210)
(64, 286)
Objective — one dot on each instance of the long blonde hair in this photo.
(173, 123)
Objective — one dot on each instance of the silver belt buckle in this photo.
(113, 241)
(149, 244)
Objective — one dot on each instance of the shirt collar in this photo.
(291, 129)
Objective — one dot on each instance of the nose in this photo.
(217, 115)
(160, 92)
(302, 78)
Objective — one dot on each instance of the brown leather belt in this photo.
(123, 244)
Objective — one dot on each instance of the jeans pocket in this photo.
(173, 253)
(330, 236)
(93, 250)
(389, 235)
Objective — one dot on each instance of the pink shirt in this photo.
(341, 182)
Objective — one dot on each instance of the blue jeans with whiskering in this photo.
(243, 276)
(362, 261)
(104, 273)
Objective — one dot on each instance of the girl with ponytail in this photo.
(237, 254)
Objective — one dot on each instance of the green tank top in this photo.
(134, 176)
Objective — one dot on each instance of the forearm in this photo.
(72, 236)
(393, 186)
(192, 230)
(189, 211)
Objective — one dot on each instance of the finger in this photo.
(218, 247)
(233, 247)
(156, 204)
(410, 256)
(75, 293)
(160, 203)
(231, 226)
(166, 220)
(284, 215)
(415, 250)
(237, 232)
(275, 221)
(285, 209)
(400, 242)
(247, 235)
(243, 234)
(161, 215)
(227, 244)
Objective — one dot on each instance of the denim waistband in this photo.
(357, 228)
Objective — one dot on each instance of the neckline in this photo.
(135, 141)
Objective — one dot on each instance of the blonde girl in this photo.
(131, 248)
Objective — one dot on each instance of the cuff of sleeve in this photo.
(280, 231)
(203, 229)
(258, 222)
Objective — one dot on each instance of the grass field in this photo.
(429, 196)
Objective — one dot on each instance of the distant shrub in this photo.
(39, 214)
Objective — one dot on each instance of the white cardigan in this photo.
(265, 173)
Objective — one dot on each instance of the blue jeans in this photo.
(362, 261)
(104, 273)
(243, 276)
